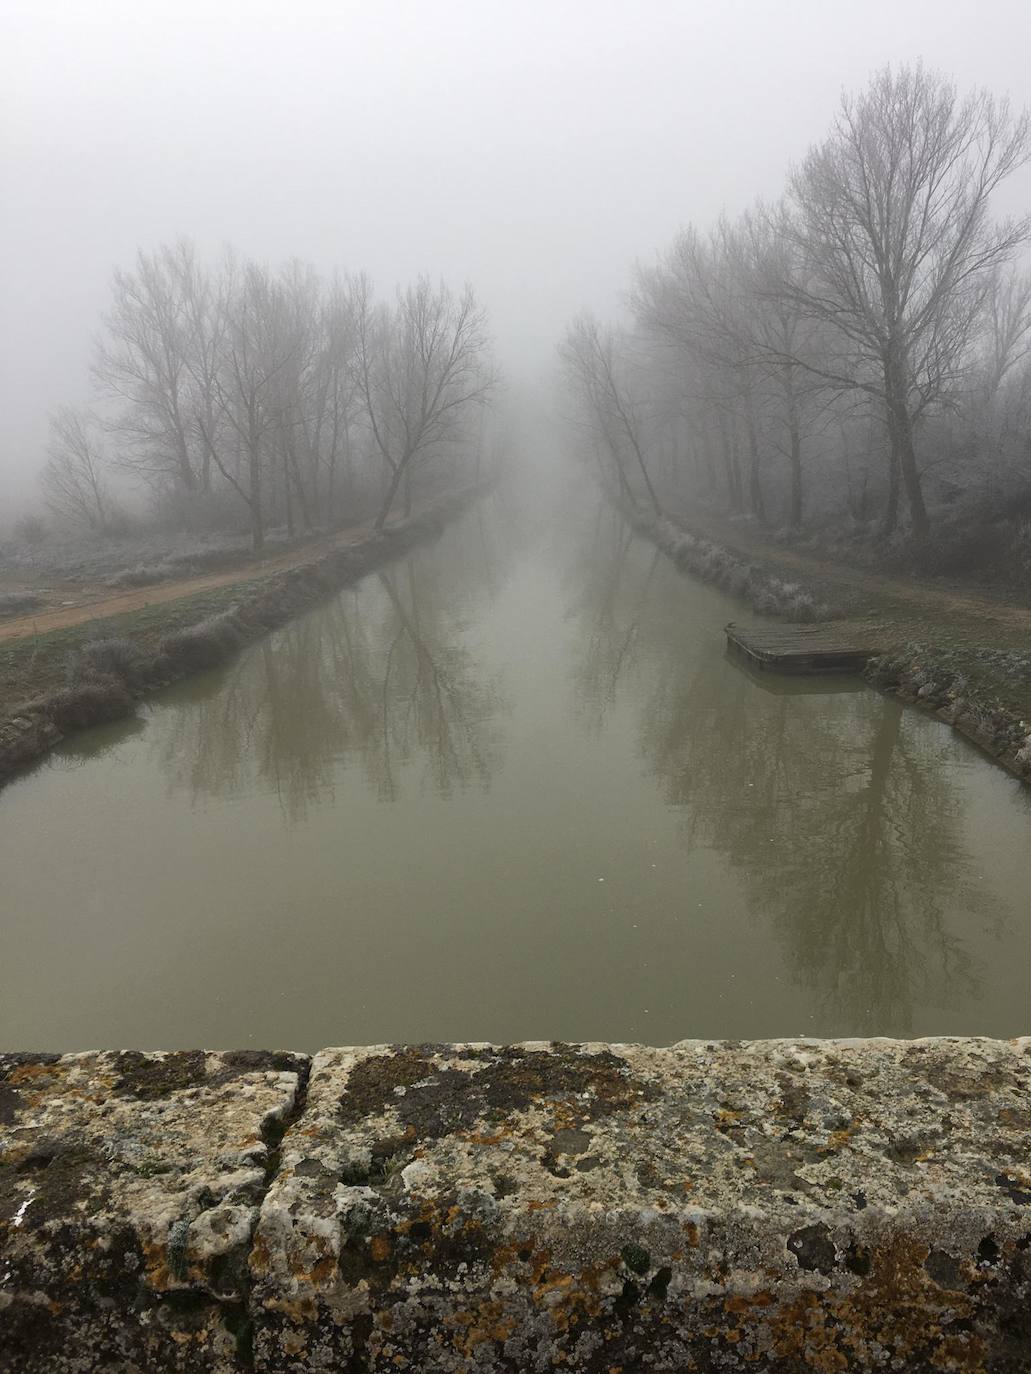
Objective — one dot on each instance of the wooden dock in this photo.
(802, 649)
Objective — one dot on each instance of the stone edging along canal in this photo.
(112, 692)
(914, 674)
(779, 1205)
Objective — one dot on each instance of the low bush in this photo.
(207, 643)
(103, 658)
(17, 603)
(31, 530)
(713, 563)
(143, 575)
(956, 550)
(88, 703)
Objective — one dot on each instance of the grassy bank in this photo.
(955, 651)
(86, 674)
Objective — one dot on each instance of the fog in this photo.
(535, 150)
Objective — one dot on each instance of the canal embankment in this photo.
(954, 653)
(772, 1205)
(98, 671)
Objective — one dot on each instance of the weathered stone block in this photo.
(775, 1206)
(129, 1190)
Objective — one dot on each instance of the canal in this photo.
(511, 788)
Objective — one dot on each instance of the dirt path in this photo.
(946, 600)
(98, 603)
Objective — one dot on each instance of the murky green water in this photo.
(511, 788)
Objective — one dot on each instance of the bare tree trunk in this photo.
(295, 472)
(795, 462)
(794, 450)
(900, 429)
(891, 509)
(755, 490)
(257, 514)
(391, 493)
(287, 501)
(728, 435)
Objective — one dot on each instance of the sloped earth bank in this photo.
(779, 1206)
(31, 728)
(962, 656)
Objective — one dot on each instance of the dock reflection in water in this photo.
(511, 787)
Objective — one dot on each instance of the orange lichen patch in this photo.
(504, 1255)
(556, 1281)
(1011, 1116)
(834, 1142)
(297, 1309)
(739, 1302)
(155, 1264)
(477, 1138)
(27, 1073)
(293, 1342)
(259, 1256)
(565, 1116)
(963, 1352)
(898, 1308)
(570, 1299)
(296, 1261)
(381, 1247)
(476, 1326)
(324, 1270)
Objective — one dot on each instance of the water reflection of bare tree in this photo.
(380, 675)
(837, 812)
(431, 704)
(607, 605)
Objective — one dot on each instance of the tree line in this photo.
(234, 389)
(859, 350)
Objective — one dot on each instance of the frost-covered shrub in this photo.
(30, 530)
(206, 643)
(102, 658)
(722, 567)
(144, 575)
(88, 703)
(17, 603)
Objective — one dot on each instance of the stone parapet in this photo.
(741, 1206)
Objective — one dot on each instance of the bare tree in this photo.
(696, 302)
(142, 364)
(600, 374)
(260, 342)
(421, 370)
(890, 214)
(73, 481)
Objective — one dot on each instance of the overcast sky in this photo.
(533, 147)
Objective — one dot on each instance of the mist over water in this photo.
(510, 787)
(281, 286)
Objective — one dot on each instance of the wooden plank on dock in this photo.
(801, 648)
